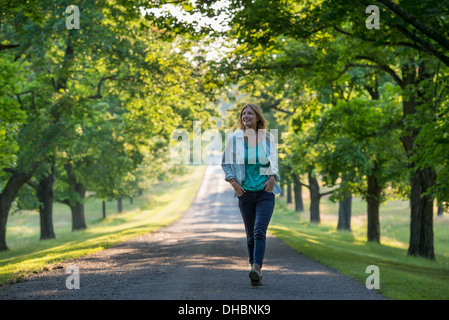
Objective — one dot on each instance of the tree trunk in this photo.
(373, 200)
(119, 205)
(314, 199)
(77, 207)
(421, 217)
(440, 210)
(46, 196)
(78, 221)
(374, 189)
(104, 208)
(297, 188)
(289, 192)
(421, 222)
(281, 185)
(344, 211)
(7, 196)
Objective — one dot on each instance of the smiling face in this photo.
(249, 118)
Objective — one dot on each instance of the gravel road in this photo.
(201, 256)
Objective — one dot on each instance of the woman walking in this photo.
(250, 165)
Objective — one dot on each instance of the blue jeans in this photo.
(256, 208)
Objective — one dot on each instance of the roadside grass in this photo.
(402, 277)
(157, 208)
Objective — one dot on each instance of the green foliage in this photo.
(103, 99)
(361, 136)
(12, 116)
(322, 51)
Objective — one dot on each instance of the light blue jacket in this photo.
(233, 159)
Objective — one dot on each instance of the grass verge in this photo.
(157, 208)
(402, 277)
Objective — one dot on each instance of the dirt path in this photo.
(200, 256)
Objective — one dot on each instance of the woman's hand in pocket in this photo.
(238, 188)
(269, 185)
